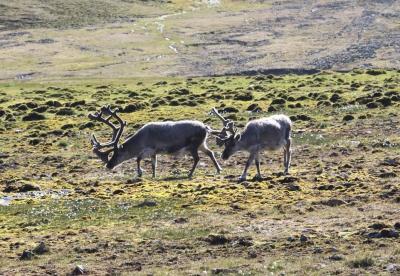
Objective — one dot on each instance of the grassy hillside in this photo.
(336, 213)
(63, 39)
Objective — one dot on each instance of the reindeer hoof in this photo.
(241, 179)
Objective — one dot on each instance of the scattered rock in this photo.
(291, 239)
(236, 206)
(86, 125)
(10, 118)
(333, 202)
(385, 233)
(223, 271)
(288, 179)
(252, 254)
(102, 87)
(67, 126)
(303, 238)
(397, 225)
(327, 187)
(318, 250)
(334, 98)
(246, 96)
(136, 266)
(213, 239)
(33, 116)
(179, 91)
(375, 72)
(118, 192)
(40, 109)
(88, 250)
(387, 175)
(34, 142)
(230, 109)
(133, 107)
(348, 117)
(27, 255)
(65, 112)
(278, 101)
(78, 103)
(31, 104)
(147, 203)
(27, 187)
(181, 220)
(391, 162)
(293, 187)
(372, 105)
(385, 101)
(22, 107)
(303, 117)
(336, 257)
(378, 226)
(254, 107)
(42, 248)
(4, 155)
(54, 103)
(243, 241)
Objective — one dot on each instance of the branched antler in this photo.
(117, 131)
(224, 121)
(227, 130)
(229, 125)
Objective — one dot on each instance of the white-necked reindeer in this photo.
(271, 133)
(150, 140)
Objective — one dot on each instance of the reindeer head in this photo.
(229, 141)
(227, 135)
(114, 148)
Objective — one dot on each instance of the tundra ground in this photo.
(336, 213)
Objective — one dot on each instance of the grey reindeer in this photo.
(150, 140)
(271, 133)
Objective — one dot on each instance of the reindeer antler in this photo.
(224, 121)
(117, 131)
(231, 127)
(228, 127)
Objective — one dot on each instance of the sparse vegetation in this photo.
(363, 262)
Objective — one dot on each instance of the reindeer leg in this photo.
(139, 169)
(284, 157)
(196, 159)
(246, 167)
(257, 159)
(210, 154)
(288, 155)
(154, 164)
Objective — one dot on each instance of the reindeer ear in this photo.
(238, 137)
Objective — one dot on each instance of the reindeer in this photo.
(150, 140)
(271, 133)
